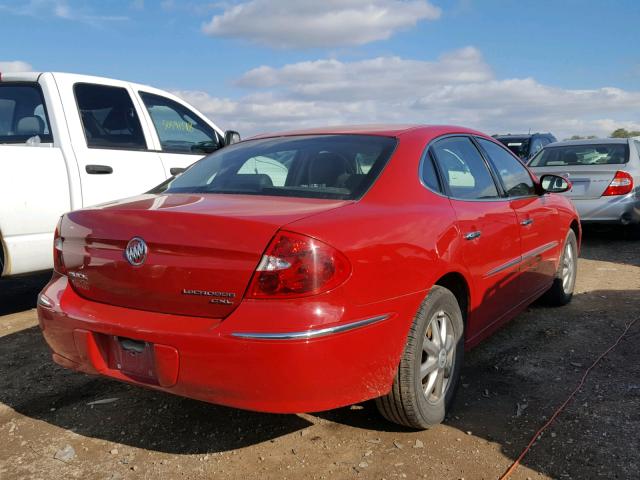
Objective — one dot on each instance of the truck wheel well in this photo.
(457, 284)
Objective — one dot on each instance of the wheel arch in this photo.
(458, 285)
(577, 229)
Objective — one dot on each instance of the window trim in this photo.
(162, 150)
(494, 169)
(446, 192)
(84, 132)
(44, 108)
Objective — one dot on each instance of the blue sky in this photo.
(570, 66)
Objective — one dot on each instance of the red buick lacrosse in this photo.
(310, 270)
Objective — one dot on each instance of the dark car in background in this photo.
(525, 146)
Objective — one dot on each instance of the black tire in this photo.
(560, 294)
(408, 404)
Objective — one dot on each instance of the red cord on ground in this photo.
(516, 463)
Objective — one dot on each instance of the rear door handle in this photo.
(98, 169)
(473, 235)
(526, 222)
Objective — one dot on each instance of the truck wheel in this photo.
(561, 290)
(429, 370)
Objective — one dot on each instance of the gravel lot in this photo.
(511, 384)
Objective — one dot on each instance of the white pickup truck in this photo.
(70, 141)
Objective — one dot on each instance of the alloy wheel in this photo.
(438, 356)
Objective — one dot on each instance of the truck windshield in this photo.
(313, 166)
(22, 114)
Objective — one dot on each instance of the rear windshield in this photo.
(519, 146)
(603, 154)
(318, 166)
(22, 114)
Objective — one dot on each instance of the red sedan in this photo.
(310, 270)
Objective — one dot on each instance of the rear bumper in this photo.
(623, 210)
(311, 356)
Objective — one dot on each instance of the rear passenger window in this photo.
(515, 177)
(108, 117)
(22, 114)
(465, 173)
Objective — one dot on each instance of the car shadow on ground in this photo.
(18, 294)
(511, 383)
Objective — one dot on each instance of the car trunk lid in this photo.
(202, 249)
(588, 181)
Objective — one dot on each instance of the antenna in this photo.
(529, 130)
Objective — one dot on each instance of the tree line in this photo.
(617, 133)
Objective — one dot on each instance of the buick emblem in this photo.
(136, 251)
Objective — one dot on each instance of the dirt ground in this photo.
(511, 384)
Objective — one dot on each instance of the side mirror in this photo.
(231, 137)
(554, 184)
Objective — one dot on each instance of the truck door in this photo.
(183, 136)
(34, 186)
(115, 156)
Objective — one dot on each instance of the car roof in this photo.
(78, 77)
(383, 130)
(589, 141)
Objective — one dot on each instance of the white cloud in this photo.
(60, 9)
(458, 88)
(15, 66)
(310, 23)
(378, 78)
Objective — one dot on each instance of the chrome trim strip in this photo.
(531, 253)
(539, 250)
(307, 334)
(504, 266)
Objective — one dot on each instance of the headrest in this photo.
(249, 181)
(327, 167)
(30, 126)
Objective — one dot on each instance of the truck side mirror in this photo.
(231, 137)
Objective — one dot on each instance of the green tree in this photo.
(624, 133)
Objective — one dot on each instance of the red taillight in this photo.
(58, 262)
(621, 184)
(295, 265)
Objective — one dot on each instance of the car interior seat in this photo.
(329, 169)
(30, 125)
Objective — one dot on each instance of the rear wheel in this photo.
(561, 290)
(429, 370)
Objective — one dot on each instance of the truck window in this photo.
(23, 114)
(179, 129)
(108, 117)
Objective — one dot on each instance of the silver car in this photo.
(605, 176)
